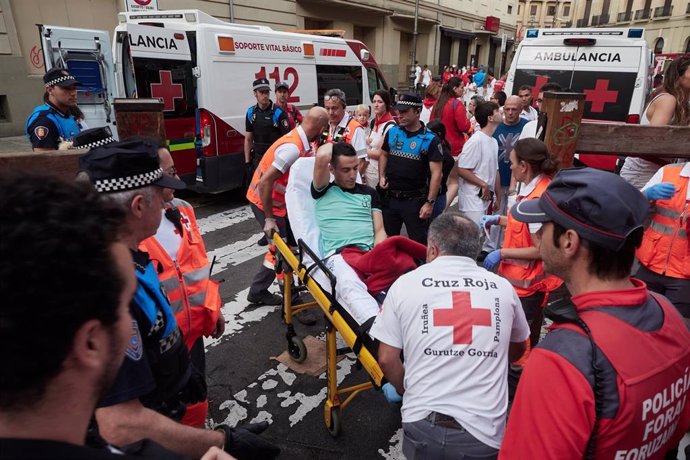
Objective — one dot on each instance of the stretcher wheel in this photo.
(297, 349)
(336, 424)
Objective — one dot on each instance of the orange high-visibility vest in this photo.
(194, 297)
(342, 134)
(279, 186)
(526, 276)
(664, 248)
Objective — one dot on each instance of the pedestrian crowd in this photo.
(510, 240)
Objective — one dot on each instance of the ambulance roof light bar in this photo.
(583, 32)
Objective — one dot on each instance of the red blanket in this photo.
(380, 267)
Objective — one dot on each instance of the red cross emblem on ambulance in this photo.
(600, 95)
(462, 317)
(166, 90)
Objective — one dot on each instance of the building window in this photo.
(519, 9)
(533, 10)
(510, 9)
(566, 10)
(551, 10)
(659, 45)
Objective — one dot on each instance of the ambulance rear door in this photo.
(158, 60)
(88, 56)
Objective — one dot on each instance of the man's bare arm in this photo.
(379, 229)
(322, 175)
(248, 141)
(392, 366)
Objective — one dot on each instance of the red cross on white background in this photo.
(541, 81)
(166, 90)
(462, 317)
(600, 95)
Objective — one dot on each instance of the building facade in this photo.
(544, 14)
(449, 32)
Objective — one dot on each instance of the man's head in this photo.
(335, 104)
(314, 122)
(409, 107)
(344, 165)
(129, 172)
(525, 95)
(499, 97)
(452, 234)
(67, 281)
(552, 87)
(262, 91)
(487, 112)
(511, 110)
(168, 167)
(592, 223)
(282, 93)
(61, 88)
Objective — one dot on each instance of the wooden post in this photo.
(139, 117)
(64, 164)
(561, 118)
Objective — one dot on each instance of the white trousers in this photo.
(350, 291)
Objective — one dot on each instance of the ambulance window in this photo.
(170, 80)
(346, 78)
(375, 80)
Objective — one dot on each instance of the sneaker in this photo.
(306, 317)
(263, 241)
(265, 298)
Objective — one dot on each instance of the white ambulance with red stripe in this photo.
(202, 69)
(611, 66)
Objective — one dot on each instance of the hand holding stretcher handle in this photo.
(270, 227)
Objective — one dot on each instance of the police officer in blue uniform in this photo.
(53, 121)
(410, 171)
(156, 381)
(264, 124)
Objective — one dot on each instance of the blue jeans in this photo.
(439, 206)
(425, 440)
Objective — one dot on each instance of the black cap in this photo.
(409, 101)
(600, 206)
(58, 77)
(261, 84)
(126, 165)
(282, 85)
(92, 138)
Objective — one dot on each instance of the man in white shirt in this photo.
(478, 165)
(528, 113)
(417, 76)
(426, 77)
(530, 129)
(344, 127)
(458, 325)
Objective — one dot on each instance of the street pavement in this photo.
(246, 385)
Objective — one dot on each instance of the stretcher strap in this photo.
(362, 330)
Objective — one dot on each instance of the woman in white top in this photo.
(670, 106)
(382, 122)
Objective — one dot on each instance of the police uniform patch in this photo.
(285, 123)
(413, 144)
(135, 349)
(41, 132)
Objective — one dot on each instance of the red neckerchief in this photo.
(385, 118)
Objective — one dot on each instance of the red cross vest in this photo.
(664, 248)
(526, 276)
(653, 377)
(279, 186)
(193, 296)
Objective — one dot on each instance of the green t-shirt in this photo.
(344, 216)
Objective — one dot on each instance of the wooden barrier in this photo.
(64, 164)
(565, 133)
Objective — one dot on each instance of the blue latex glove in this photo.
(488, 220)
(492, 259)
(662, 191)
(391, 394)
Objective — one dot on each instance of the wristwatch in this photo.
(431, 201)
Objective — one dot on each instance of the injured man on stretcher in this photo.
(341, 221)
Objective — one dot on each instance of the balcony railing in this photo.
(595, 20)
(663, 11)
(604, 19)
(582, 22)
(625, 16)
(642, 14)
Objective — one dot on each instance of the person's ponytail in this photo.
(535, 153)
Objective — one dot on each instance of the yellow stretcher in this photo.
(338, 320)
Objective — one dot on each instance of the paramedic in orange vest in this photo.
(343, 127)
(282, 95)
(178, 252)
(520, 262)
(664, 258)
(610, 380)
(266, 194)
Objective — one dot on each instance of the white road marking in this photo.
(224, 219)
(237, 317)
(236, 253)
(394, 448)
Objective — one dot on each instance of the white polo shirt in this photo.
(454, 321)
(480, 155)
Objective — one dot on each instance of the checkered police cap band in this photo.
(409, 103)
(94, 144)
(55, 81)
(120, 184)
(259, 86)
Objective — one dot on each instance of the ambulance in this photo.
(611, 66)
(202, 69)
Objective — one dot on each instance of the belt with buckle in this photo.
(443, 420)
(406, 194)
